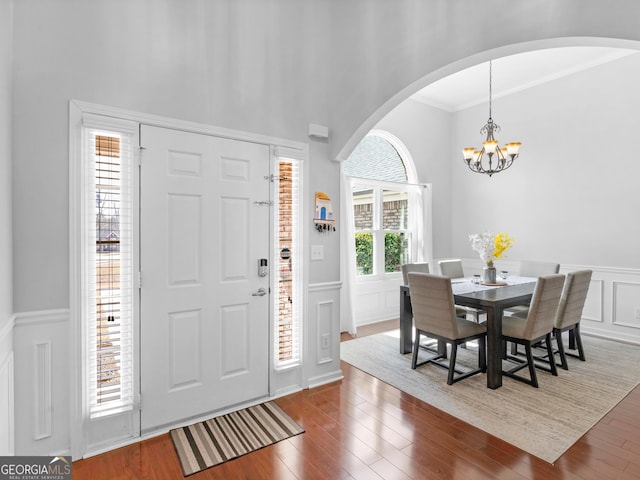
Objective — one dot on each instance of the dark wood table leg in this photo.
(406, 322)
(494, 347)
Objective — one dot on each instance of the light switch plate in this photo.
(317, 252)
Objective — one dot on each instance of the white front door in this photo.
(204, 216)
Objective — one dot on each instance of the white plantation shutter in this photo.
(288, 274)
(109, 268)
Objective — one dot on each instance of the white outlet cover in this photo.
(317, 252)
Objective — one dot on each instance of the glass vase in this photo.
(489, 273)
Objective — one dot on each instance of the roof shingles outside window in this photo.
(377, 159)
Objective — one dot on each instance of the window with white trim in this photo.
(381, 207)
(108, 266)
(288, 259)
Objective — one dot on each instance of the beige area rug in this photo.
(543, 421)
(206, 444)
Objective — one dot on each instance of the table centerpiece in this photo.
(490, 247)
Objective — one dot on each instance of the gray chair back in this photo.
(544, 306)
(451, 268)
(432, 304)
(530, 268)
(413, 267)
(574, 295)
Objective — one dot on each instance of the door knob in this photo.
(260, 293)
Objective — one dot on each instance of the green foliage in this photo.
(364, 253)
(393, 250)
(394, 247)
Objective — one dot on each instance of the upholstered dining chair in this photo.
(453, 269)
(533, 326)
(569, 314)
(434, 315)
(534, 269)
(419, 267)
(422, 267)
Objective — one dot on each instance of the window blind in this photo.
(109, 272)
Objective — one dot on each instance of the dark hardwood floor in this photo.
(362, 428)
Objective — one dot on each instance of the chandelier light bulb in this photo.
(513, 148)
(490, 146)
(467, 153)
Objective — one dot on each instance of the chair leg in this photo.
(552, 360)
(416, 347)
(563, 358)
(576, 331)
(452, 362)
(532, 368)
(575, 342)
(482, 354)
(572, 340)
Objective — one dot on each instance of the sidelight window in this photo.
(288, 258)
(108, 271)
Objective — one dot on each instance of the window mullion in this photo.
(378, 237)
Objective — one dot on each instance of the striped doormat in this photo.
(206, 444)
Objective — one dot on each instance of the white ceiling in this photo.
(513, 74)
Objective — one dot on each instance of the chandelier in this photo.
(497, 158)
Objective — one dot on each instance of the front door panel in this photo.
(204, 227)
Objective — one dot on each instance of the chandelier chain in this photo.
(490, 87)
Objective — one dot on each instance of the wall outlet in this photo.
(324, 341)
(317, 252)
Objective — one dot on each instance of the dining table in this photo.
(493, 299)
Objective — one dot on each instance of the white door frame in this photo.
(78, 109)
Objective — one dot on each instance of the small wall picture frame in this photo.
(323, 218)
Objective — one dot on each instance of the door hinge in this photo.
(139, 279)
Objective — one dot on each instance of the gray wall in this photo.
(6, 308)
(572, 196)
(385, 51)
(256, 66)
(6, 290)
(426, 132)
(269, 67)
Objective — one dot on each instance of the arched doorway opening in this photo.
(554, 180)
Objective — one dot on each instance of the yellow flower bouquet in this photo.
(489, 246)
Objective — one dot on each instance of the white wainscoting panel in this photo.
(42, 383)
(322, 334)
(377, 298)
(6, 391)
(626, 304)
(612, 309)
(325, 344)
(42, 423)
(594, 307)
